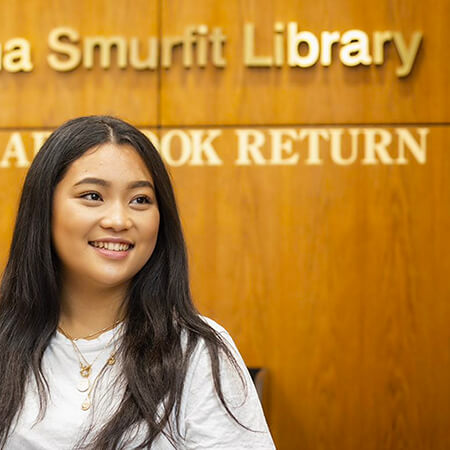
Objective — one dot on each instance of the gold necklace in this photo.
(88, 401)
(110, 327)
(109, 362)
(84, 384)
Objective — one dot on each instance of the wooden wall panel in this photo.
(239, 95)
(45, 97)
(335, 278)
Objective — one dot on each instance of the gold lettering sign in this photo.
(354, 48)
(255, 147)
(201, 45)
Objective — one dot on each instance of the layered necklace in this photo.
(84, 384)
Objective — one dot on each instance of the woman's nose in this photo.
(117, 218)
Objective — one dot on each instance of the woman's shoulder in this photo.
(207, 422)
(214, 325)
(200, 355)
(222, 332)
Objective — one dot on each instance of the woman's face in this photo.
(105, 216)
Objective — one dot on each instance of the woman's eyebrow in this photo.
(101, 182)
(140, 183)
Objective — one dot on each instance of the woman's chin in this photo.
(106, 280)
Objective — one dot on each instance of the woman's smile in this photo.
(113, 249)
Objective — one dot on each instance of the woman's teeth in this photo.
(114, 246)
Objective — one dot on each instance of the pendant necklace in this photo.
(84, 384)
(88, 401)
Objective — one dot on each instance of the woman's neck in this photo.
(88, 309)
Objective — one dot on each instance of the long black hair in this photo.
(159, 303)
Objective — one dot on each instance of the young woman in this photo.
(100, 344)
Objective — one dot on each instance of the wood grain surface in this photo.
(362, 94)
(336, 280)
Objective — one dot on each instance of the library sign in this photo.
(201, 45)
(280, 146)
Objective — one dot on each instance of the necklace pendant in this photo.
(86, 404)
(85, 371)
(83, 385)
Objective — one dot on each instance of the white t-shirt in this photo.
(204, 422)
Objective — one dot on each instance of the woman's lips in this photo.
(112, 254)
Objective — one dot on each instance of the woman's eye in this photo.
(91, 196)
(141, 200)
